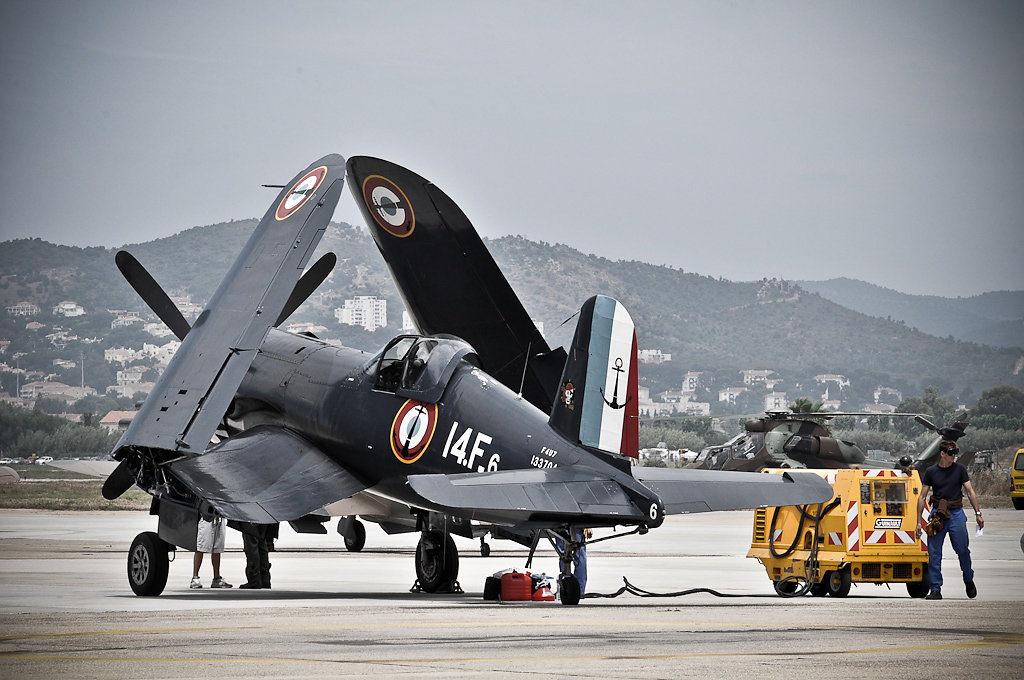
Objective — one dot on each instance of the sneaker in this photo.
(933, 595)
(196, 583)
(219, 582)
(972, 590)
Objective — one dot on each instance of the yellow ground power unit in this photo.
(865, 534)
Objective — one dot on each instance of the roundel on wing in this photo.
(300, 192)
(412, 430)
(389, 206)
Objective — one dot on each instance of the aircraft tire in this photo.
(485, 550)
(148, 564)
(437, 561)
(358, 540)
(1018, 503)
(568, 590)
(839, 582)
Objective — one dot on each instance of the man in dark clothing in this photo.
(947, 480)
(257, 561)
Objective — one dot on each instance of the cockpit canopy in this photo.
(419, 367)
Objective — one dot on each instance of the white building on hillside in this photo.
(367, 311)
(68, 308)
(653, 356)
(776, 401)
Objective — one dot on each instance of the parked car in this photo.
(43, 460)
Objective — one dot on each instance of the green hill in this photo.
(707, 324)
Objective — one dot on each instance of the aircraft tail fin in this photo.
(597, 397)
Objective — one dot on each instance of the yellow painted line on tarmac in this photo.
(392, 624)
(987, 640)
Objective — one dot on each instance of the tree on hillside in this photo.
(805, 405)
(936, 408)
(1000, 401)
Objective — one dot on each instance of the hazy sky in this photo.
(803, 140)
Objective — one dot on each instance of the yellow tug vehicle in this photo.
(865, 534)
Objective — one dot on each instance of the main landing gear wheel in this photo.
(437, 561)
(485, 549)
(148, 564)
(568, 590)
(357, 540)
(838, 582)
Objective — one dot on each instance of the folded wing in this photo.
(187, 403)
(448, 279)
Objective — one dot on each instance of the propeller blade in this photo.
(119, 481)
(310, 281)
(151, 293)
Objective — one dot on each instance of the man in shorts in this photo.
(209, 539)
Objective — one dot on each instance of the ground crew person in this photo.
(947, 480)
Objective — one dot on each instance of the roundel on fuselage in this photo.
(412, 430)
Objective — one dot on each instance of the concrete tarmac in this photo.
(66, 611)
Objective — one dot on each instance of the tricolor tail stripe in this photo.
(610, 413)
(597, 402)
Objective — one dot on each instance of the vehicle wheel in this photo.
(437, 561)
(148, 564)
(358, 539)
(1018, 503)
(920, 588)
(838, 582)
(568, 590)
(820, 589)
(485, 550)
(786, 588)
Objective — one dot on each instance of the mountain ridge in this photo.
(706, 323)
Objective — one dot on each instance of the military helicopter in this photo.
(781, 439)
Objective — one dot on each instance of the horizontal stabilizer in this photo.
(575, 495)
(265, 475)
(684, 491)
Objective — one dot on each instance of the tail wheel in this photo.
(838, 582)
(357, 540)
(148, 564)
(437, 561)
(568, 590)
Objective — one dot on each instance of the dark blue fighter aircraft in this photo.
(475, 424)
